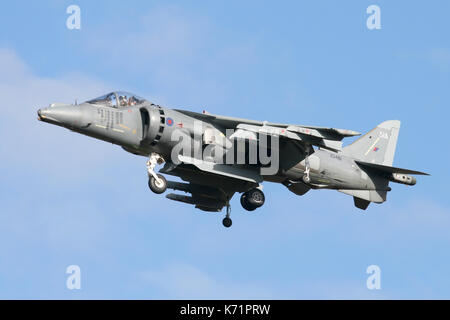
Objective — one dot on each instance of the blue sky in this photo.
(68, 199)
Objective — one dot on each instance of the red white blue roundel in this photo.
(169, 122)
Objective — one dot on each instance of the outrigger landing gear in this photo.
(156, 182)
(227, 222)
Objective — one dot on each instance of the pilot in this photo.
(123, 101)
(110, 100)
(132, 101)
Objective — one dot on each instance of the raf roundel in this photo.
(169, 122)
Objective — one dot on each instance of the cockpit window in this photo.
(128, 99)
(108, 100)
(118, 99)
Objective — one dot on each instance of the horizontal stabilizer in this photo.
(388, 169)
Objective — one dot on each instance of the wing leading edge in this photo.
(231, 122)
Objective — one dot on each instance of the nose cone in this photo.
(67, 116)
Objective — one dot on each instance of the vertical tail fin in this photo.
(376, 146)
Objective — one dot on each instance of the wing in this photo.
(212, 185)
(210, 189)
(329, 138)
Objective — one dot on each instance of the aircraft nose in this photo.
(62, 115)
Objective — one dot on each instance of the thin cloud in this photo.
(28, 142)
(183, 281)
(437, 57)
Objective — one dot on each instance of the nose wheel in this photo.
(227, 222)
(159, 185)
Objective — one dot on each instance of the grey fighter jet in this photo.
(217, 156)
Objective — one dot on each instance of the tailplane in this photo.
(374, 154)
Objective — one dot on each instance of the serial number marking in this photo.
(246, 309)
(335, 156)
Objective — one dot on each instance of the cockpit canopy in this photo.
(117, 99)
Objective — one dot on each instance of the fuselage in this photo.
(145, 128)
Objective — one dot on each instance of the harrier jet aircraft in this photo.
(299, 157)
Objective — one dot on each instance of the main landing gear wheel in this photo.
(244, 203)
(252, 199)
(159, 185)
(256, 197)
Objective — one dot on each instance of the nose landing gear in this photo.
(156, 182)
